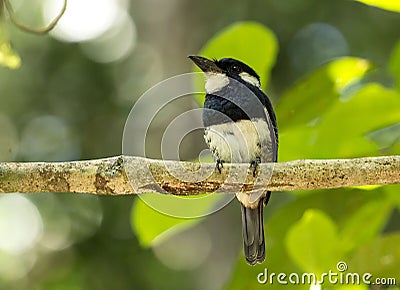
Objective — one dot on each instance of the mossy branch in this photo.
(110, 175)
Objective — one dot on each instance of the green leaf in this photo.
(8, 57)
(391, 5)
(366, 187)
(342, 131)
(365, 223)
(339, 204)
(394, 64)
(393, 194)
(250, 42)
(312, 96)
(387, 137)
(380, 257)
(186, 207)
(151, 226)
(156, 216)
(313, 242)
(395, 150)
(296, 143)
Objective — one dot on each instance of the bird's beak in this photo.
(205, 64)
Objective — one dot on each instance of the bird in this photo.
(240, 127)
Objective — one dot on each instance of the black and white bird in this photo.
(240, 127)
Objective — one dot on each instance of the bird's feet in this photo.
(219, 165)
(254, 165)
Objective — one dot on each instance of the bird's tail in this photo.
(253, 233)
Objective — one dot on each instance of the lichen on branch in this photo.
(133, 175)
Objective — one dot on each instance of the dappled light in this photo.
(22, 222)
(83, 20)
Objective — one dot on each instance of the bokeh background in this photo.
(70, 98)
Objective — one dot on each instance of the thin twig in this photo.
(26, 28)
(110, 175)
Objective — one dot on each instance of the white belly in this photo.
(240, 142)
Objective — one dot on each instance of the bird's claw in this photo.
(254, 165)
(219, 165)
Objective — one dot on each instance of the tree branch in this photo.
(110, 175)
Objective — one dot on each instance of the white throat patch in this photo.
(249, 79)
(215, 82)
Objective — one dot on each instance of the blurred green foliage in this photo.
(394, 64)
(62, 105)
(319, 91)
(8, 57)
(313, 242)
(327, 114)
(241, 38)
(392, 5)
(318, 230)
(151, 225)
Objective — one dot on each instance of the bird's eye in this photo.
(235, 68)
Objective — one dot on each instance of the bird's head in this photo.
(218, 72)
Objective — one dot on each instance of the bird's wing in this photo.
(269, 140)
(269, 148)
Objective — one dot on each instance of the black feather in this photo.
(253, 234)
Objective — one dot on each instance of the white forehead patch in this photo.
(249, 79)
(215, 82)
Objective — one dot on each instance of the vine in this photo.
(10, 11)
